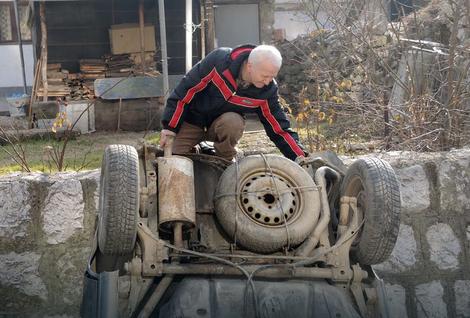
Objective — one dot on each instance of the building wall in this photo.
(266, 16)
(10, 65)
(79, 29)
(11, 78)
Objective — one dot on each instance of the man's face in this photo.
(262, 73)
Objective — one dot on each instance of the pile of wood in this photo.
(149, 62)
(80, 89)
(69, 86)
(118, 65)
(92, 68)
(56, 82)
(123, 65)
(79, 86)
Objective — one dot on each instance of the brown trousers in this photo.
(225, 132)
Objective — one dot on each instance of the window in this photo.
(8, 29)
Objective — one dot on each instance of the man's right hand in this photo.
(164, 136)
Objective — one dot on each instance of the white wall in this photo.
(289, 15)
(294, 22)
(10, 65)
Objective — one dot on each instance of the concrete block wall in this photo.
(428, 273)
(47, 222)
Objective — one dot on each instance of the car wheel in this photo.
(119, 200)
(374, 183)
(266, 203)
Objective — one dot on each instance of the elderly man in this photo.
(209, 102)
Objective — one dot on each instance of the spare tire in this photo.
(277, 203)
(119, 200)
(374, 183)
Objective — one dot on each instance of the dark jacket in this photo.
(209, 89)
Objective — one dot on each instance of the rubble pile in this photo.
(390, 83)
(434, 22)
(331, 68)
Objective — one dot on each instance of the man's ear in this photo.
(249, 67)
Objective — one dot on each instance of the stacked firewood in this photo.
(118, 65)
(78, 86)
(123, 65)
(55, 80)
(92, 68)
(80, 89)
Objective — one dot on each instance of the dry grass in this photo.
(83, 153)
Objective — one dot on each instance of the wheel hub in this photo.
(269, 200)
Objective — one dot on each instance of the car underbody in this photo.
(261, 237)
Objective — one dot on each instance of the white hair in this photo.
(265, 53)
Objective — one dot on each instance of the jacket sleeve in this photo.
(193, 82)
(278, 128)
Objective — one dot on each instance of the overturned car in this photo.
(197, 236)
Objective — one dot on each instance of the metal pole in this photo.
(156, 296)
(20, 44)
(189, 35)
(108, 294)
(274, 272)
(203, 30)
(161, 15)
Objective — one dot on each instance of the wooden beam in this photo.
(42, 15)
(210, 40)
(142, 34)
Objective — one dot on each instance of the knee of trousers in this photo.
(231, 123)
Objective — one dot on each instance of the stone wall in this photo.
(46, 223)
(428, 272)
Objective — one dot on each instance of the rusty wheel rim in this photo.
(269, 200)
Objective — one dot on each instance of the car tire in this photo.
(118, 200)
(278, 203)
(374, 183)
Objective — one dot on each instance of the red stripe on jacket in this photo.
(222, 86)
(278, 130)
(228, 75)
(189, 96)
(237, 52)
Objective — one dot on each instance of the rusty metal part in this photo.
(343, 216)
(138, 285)
(176, 195)
(260, 202)
(356, 289)
(143, 192)
(311, 242)
(339, 257)
(152, 302)
(255, 257)
(152, 201)
(178, 234)
(272, 272)
(168, 148)
(153, 251)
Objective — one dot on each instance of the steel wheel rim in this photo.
(269, 200)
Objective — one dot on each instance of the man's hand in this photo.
(301, 160)
(164, 134)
